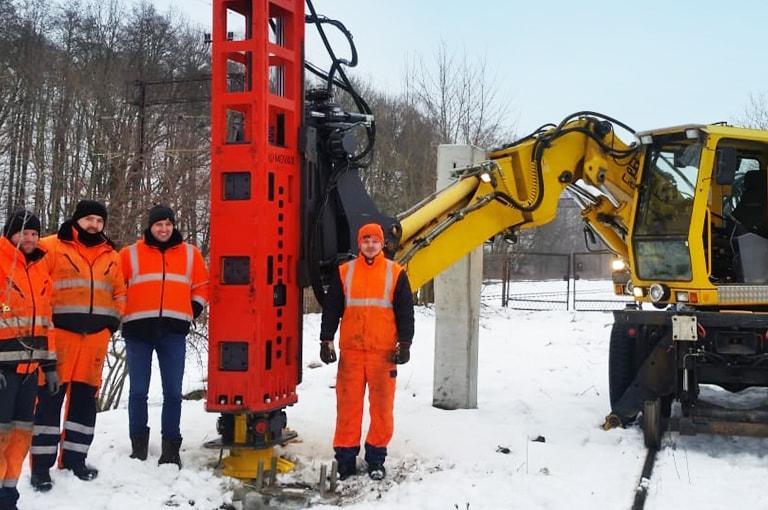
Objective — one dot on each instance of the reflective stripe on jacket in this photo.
(163, 283)
(369, 322)
(88, 286)
(26, 333)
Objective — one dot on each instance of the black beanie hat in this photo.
(21, 219)
(87, 207)
(161, 212)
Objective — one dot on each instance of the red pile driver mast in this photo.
(255, 308)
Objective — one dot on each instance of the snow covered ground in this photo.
(541, 374)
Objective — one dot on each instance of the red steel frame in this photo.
(254, 359)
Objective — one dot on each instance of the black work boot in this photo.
(9, 496)
(41, 481)
(170, 453)
(374, 457)
(376, 471)
(346, 469)
(139, 447)
(83, 472)
(346, 461)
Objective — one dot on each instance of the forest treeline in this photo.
(108, 100)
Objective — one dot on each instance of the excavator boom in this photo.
(519, 187)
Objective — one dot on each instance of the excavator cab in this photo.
(700, 227)
(734, 216)
(698, 251)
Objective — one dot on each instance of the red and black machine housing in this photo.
(254, 359)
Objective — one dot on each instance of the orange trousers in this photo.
(81, 357)
(80, 362)
(358, 369)
(17, 407)
(14, 446)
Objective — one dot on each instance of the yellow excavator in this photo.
(683, 207)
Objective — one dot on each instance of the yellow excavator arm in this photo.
(518, 188)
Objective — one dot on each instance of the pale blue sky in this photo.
(650, 64)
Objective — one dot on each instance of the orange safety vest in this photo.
(163, 283)
(86, 281)
(26, 335)
(368, 322)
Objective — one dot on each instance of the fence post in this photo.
(571, 274)
(504, 276)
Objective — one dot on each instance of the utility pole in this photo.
(143, 94)
(142, 103)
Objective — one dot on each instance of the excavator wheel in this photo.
(621, 362)
(651, 423)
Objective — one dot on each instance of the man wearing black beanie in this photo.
(89, 207)
(167, 289)
(21, 219)
(89, 220)
(26, 343)
(160, 212)
(88, 301)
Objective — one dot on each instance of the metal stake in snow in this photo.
(457, 305)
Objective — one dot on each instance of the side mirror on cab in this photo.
(726, 166)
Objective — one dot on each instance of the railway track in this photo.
(641, 490)
(704, 418)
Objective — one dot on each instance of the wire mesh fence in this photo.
(551, 281)
(592, 285)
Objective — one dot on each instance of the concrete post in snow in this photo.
(457, 305)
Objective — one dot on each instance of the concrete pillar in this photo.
(457, 305)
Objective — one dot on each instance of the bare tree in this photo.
(458, 97)
(756, 112)
(454, 90)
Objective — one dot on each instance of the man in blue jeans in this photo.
(167, 289)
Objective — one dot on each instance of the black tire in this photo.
(621, 362)
(652, 423)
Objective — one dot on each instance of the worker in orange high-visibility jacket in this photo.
(26, 344)
(167, 289)
(372, 297)
(88, 301)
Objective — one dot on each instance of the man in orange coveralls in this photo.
(26, 344)
(372, 297)
(88, 301)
